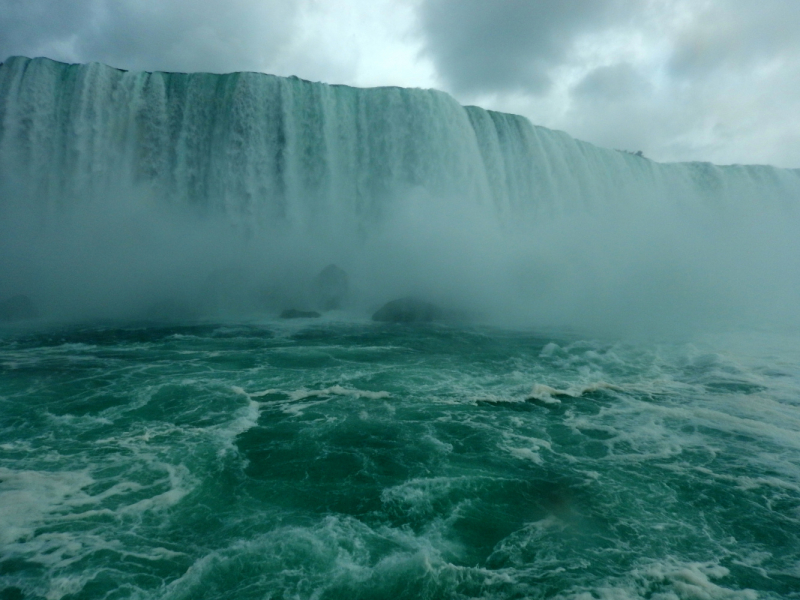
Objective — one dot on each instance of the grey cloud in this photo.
(180, 35)
(728, 35)
(37, 27)
(678, 79)
(728, 92)
(613, 82)
(614, 106)
(507, 45)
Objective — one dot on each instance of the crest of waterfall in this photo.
(261, 147)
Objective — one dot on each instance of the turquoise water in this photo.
(355, 460)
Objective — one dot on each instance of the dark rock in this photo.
(293, 313)
(17, 308)
(408, 310)
(330, 288)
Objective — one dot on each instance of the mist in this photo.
(181, 197)
(659, 270)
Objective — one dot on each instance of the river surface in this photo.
(325, 459)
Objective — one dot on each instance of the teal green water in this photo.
(352, 460)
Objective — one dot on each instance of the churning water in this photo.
(355, 460)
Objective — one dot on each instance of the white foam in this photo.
(549, 395)
(549, 350)
(27, 497)
(66, 586)
(180, 484)
(525, 447)
(527, 454)
(305, 562)
(337, 390)
(669, 580)
(303, 393)
(244, 419)
(694, 580)
(263, 393)
(545, 393)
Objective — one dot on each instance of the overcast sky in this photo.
(715, 80)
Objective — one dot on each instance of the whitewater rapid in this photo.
(339, 460)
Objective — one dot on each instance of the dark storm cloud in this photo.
(180, 35)
(507, 45)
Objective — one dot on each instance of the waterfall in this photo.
(389, 167)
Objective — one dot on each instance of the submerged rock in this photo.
(408, 310)
(293, 313)
(17, 308)
(330, 288)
